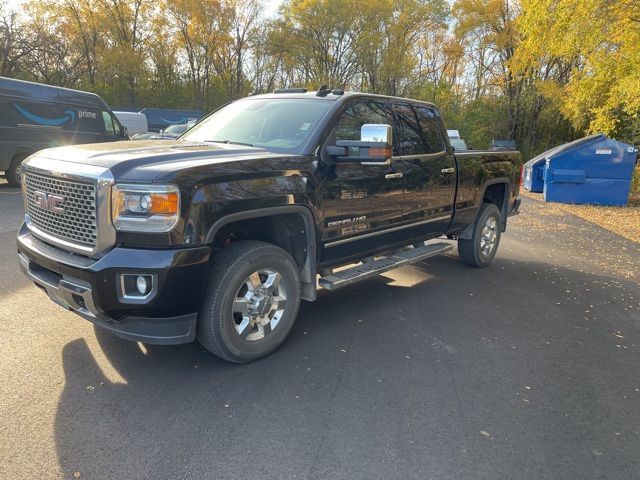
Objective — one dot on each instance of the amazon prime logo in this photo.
(87, 114)
(52, 203)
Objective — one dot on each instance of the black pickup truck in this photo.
(219, 234)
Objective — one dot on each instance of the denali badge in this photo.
(53, 203)
(347, 221)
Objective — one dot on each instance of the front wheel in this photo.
(251, 301)
(479, 250)
(13, 174)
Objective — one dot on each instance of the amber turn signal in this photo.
(380, 152)
(164, 203)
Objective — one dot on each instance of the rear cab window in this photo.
(430, 128)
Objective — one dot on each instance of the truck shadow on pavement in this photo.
(474, 336)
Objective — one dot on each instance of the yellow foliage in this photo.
(600, 38)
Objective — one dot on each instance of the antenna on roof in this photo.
(323, 91)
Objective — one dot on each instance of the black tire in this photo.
(474, 251)
(13, 174)
(218, 325)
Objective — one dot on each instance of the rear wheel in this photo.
(13, 174)
(479, 250)
(251, 301)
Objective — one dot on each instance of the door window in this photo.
(356, 115)
(109, 127)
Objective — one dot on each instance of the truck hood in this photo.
(155, 160)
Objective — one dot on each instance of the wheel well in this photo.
(287, 231)
(496, 194)
(16, 157)
(20, 154)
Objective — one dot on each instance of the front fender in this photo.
(213, 202)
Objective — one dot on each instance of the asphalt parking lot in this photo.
(527, 369)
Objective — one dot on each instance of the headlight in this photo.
(145, 208)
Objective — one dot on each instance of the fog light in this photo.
(142, 285)
(136, 287)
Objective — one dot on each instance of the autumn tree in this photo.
(319, 38)
(53, 57)
(240, 20)
(79, 25)
(598, 40)
(198, 27)
(124, 48)
(165, 85)
(539, 71)
(396, 47)
(14, 43)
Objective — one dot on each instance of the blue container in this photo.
(534, 168)
(534, 174)
(593, 170)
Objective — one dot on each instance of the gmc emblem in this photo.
(53, 203)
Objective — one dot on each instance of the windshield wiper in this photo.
(230, 142)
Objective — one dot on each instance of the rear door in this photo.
(429, 170)
(362, 204)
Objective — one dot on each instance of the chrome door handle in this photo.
(389, 176)
(448, 170)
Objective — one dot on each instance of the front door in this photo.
(362, 204)
(429, 170)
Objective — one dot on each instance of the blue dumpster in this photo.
(592, 170)
(534, 173)
(534, 168)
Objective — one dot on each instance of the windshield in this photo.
(280, 125)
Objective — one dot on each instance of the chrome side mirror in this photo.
(371, 132)
(374, 147)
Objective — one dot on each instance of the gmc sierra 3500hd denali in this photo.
(219, 234)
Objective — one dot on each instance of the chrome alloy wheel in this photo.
(489, 235)
(259, 304)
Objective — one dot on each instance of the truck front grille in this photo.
(72, 219)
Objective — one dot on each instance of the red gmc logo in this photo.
(46, 201)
